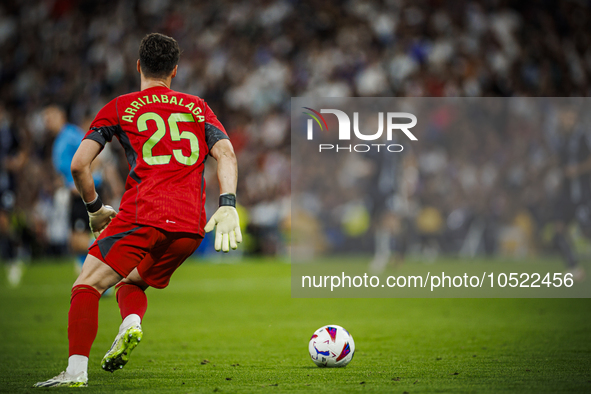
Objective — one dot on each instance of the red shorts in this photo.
(155, 253)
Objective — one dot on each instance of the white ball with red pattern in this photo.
(331, 346)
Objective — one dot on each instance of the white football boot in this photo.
(64, 379)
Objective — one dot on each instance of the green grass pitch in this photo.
(242, 319)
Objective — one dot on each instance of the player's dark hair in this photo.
(159, 54)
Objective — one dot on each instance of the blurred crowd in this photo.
(247, 59)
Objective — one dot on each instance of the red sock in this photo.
(132, 300)
(83, 319)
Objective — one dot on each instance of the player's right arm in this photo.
(99, 215)
(81, 171)
(101, 131)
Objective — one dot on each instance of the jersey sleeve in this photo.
(214, 131)
(105, 125)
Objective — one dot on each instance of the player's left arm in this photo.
(223, 152)
(225, 220)
(100, 215)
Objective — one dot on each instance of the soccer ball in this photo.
(331, 346)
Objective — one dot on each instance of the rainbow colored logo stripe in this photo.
(346, 350)
(315, 115)
(332, 332)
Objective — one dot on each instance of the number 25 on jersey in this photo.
(175, 135)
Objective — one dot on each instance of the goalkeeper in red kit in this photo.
(167, 136)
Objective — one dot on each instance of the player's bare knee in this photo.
(99, 284)
(97, 274)
(134, 278)
(97, 287)
(142, 286)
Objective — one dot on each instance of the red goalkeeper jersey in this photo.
(167, 136)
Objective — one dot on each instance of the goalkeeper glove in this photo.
(226, 223)
(100, 215)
